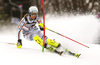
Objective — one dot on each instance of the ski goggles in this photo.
(33, 14)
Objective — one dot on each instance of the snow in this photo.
(82, 28)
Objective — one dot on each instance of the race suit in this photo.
(29, 28)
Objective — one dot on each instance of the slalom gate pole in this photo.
(68, 38)
(43, 25)
(8, 43)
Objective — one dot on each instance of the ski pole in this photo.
(68, 38)
(63, 35)
(8, 43)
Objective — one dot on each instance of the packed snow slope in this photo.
(82, 28)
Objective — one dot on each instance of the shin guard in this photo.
(38, 40)
(53, 43)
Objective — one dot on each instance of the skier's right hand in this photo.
(19, 43)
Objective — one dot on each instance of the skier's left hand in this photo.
(41, 28)
(41, 25)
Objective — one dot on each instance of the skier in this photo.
(32, 32)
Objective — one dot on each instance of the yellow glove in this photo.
(41, 24)
(19, 43)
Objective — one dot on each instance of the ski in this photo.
(8, 43)
(71, 53)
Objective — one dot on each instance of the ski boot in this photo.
(50, 48)
(74, 54)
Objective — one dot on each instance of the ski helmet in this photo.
(33, 10)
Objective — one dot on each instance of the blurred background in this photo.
(15, 9)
